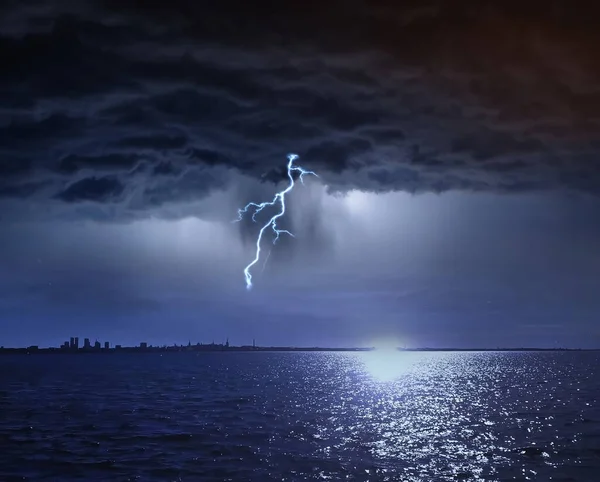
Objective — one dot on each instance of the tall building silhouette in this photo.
(86, 343)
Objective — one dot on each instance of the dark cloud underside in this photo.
(161, 102)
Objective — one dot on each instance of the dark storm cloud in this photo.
(117, 161)
(92, 189)
(155, 101)
(158, 142)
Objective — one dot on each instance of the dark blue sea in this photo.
(378, 416)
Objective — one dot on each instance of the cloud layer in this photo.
(142, 106)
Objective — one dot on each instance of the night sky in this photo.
(457, 146)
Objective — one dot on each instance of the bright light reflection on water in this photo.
(387, 365)
(434, 415)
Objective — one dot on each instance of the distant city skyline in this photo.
(72, 345)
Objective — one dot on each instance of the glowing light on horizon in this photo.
(386, 344)
(386, 363)
(278, 199)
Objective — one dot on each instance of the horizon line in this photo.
(143, 346)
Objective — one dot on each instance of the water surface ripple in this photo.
(378, 416)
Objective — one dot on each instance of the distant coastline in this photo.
(212, 348)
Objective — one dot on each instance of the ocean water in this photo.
(378, 416)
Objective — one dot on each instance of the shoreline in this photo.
(243, 349)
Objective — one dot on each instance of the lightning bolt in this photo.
(272, 223)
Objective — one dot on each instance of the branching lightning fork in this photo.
(272, 223)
